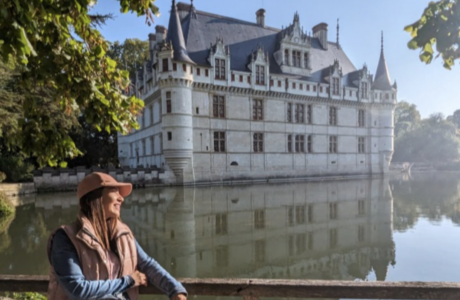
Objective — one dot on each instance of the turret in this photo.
(176, 79)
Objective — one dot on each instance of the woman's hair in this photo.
(92, 207)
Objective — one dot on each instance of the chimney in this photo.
(160, 33)
(261, 17)
(320, 32)
(152, 40)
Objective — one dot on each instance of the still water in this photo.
(394, 229)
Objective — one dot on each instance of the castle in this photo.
(227, 99)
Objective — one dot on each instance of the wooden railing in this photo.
(251, 289)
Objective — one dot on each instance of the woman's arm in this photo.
(158, 276)
(66, 264)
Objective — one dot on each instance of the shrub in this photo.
(2, 177)
(6, 207)
(25, 296)
(16, 168)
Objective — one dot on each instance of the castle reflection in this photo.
(338, 230)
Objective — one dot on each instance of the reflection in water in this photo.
(316, 230)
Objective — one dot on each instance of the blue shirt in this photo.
(66, 264)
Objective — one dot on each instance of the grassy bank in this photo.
(6, 207)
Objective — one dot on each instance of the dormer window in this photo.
(364, 90)
(286, 57)
(335, 86)
(296, 58)
(220, 68)
(260, 75)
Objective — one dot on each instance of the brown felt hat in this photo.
(97, 180)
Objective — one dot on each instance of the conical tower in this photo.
(176, 80)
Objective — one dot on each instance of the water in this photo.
(390, 229)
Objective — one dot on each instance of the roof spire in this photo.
(382, 76)
(338, 34)
(175, 36)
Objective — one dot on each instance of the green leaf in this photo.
(63, 164)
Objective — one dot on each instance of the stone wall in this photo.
(49, 179)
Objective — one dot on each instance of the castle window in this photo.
(144, 152)
(314, 88)
(361, 120)
(296, 58)
(220, 69)
(241, 78)
(206, 73)
(151, 114)
(258, 110)
(361, 207)
(350, 93)
(249, 79)
(301, 86)
(218, 106)
(309, 144)
(335, 86)
(364, 90)
(320, 89)
(305, 60)
(309, 114)
(169, 135)
(387, 96)
(165, 65)
(258, 142)
(168, 102)
(289, 113)
(299, 113)
(219, 141)
(221, 224)
(260, 75)
(233, 77)
(279, 83)
(289, 143)
(198, 71)
(361, 144)
(293, 85)
(174, 67)
(299, 143)
(271, 82)
(332, 115)
(308, 87)
(286, 57)
(184, 67)
(333, 144)
(259, 219)
(152, 145)
(333, 211)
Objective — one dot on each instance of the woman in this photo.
(97, 257)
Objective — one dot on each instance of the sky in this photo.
(431, 87)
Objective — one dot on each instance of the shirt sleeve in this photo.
(66, 264)
(156, 275)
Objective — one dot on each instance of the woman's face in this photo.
(111, 200)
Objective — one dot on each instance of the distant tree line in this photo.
(434, 139)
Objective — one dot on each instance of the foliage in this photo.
(26, 296)
(433, 140)
(16, 168)
(6, 207)
(439, 28)
(2, 177)
(98, 147)
(406, 117)
(131, 54)
(64, 57)
(456, 118)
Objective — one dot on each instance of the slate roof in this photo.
(202, 29)
(382, 76)
(175, 36)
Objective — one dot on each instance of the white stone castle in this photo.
(227, 99)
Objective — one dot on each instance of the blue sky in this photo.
(431, 87)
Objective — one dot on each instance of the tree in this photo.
(131, 54)
(64, 56)
(439, 27)
(406, 117)
(433, 140)
(456, 118)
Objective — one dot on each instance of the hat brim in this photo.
(123, 188)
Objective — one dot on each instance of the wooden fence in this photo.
(252, 289)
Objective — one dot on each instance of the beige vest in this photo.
(93, 258)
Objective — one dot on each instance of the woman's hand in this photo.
(139, 279)
(179, 297)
